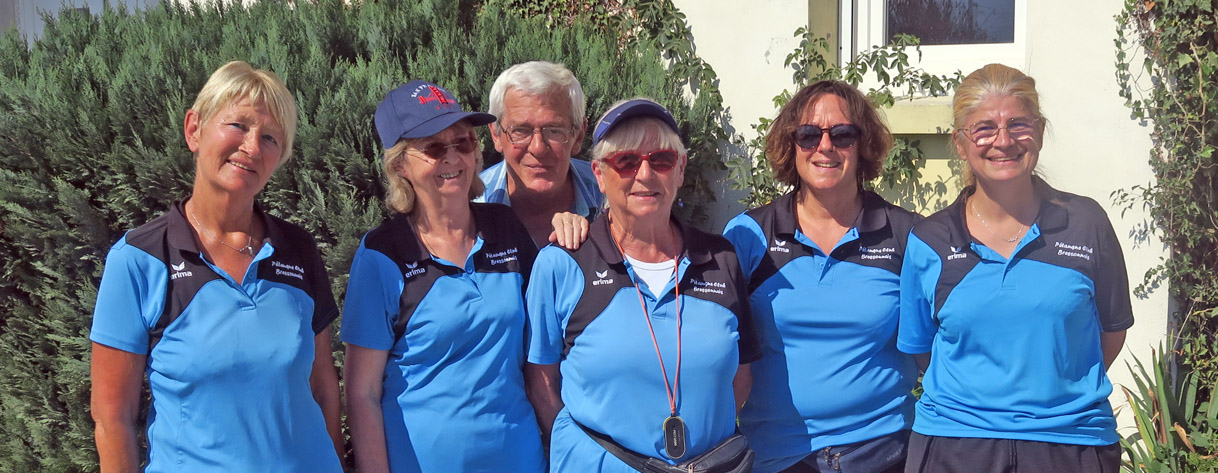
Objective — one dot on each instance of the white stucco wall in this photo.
(746, 43)
(1094, 147)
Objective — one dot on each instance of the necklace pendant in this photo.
(674, 437)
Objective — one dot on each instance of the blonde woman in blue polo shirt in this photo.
(434, 315)
(225, 307)
(1015, 300)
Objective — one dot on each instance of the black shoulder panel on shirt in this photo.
(506, 244)
(297, 263)
(941, 232)
(187, 271)
(396, 239)
(602, 281)
(782, 248)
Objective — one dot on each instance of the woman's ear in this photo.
(191, 130)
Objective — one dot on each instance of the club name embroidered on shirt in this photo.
(708, 286)
(504, 256)
(179, 271)
(289, 270)
(886, 252)
(1074, 250)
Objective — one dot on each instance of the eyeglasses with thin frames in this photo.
(520, 135)
(985, 132)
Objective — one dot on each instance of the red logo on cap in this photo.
(436, 95)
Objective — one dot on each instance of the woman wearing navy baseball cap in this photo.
(434, 314)
(640, 339)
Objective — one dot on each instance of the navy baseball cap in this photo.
(418, 109)
(632, 109)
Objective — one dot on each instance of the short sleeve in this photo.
(919, 275)
(555, 286)
(1112, 282)
(130, 299)
(371, 305)
(749, 240)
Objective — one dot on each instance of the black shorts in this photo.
(929, 454)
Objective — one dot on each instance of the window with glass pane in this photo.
(941, 22)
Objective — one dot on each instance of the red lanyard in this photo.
(672, 393)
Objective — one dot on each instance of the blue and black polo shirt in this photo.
(228, 364)
(584, 313)
(453, 397)
(1015, 344)
(830, 373)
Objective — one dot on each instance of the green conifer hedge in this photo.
(92, 146)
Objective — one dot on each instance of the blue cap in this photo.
(632, 109)
(419, 109)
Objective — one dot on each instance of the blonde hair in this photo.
(399, 192)
(238, 80)
(992, 81)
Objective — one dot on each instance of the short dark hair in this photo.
(873, 146)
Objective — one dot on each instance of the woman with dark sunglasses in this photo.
(434, 315)
(1015, 300)
(831, 392)
(641, 338)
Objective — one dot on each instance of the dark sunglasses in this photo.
(627, 163)
(842, 136)
(437, 150)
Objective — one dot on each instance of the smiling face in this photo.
(827, 167)
(446, 171)
(538, 165)
(645, 193)
(236, 149)
(1005, 159)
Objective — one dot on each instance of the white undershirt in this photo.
(654, 275)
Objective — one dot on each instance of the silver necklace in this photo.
(249, 239)
(1018, 233)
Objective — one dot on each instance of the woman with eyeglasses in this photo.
(831, 392)
(434, 315)
(1015, 301)
(641, 339)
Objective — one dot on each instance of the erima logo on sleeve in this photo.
(780, 246)
(179, 271)
(413, 270)
(601, 278)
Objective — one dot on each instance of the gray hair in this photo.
(539, 78)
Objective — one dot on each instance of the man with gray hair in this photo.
(540, 108)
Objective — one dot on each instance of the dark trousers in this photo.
(928, 454)
(879, 455)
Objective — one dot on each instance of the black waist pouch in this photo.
(732, 455)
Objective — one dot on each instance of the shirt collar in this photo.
(872, 218)
(182, 236)
(696, 249)
(1051, 216)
